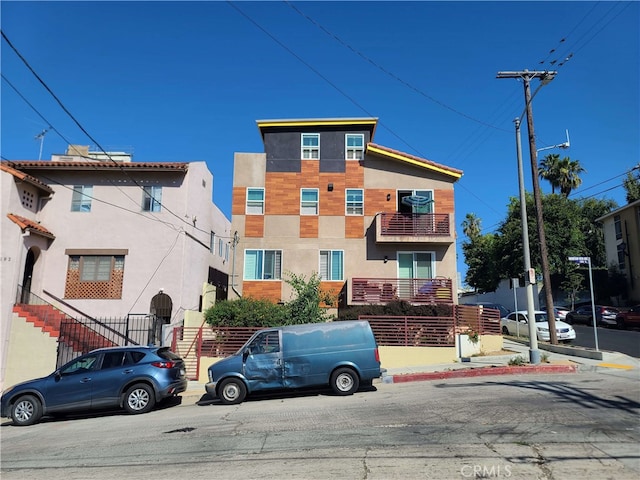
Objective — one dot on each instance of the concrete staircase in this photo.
(79, 337)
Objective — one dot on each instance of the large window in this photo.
(621, 255)
(96, 268)
(309, 201)
(332, 265)
(355, 201)
(354, 146)
(212, 242)
(255, 201)
(262, 264)
(152, 199)
(310, 146)
(81, 199)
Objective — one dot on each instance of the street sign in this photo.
(580, 259)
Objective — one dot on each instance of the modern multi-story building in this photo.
(622, 244)
(375, 223)
(99, 236)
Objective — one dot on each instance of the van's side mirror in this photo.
(245, 354)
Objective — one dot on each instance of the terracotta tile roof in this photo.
(379, 150)
(5, 167)
(98, 165)
(29, 225)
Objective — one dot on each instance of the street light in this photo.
(564, 145)
(534, 353)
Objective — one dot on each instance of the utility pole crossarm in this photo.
(543, 75)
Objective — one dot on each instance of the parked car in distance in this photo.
(504, 311)
(340, 354)
(516, 323)
(605, 316)
(561, 313)
(628, 318)
(133, 378)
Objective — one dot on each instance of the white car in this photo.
(516, 324)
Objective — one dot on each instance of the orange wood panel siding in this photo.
(254, 226)
(308, 226)
(309, 171)
(354, 173)
(271, 290)
(444, 201)
(332, 203)
(332, 290)
(375, 200)
(354, 227)
(282, 193)
(239, 201)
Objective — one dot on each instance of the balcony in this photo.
(394, 227)
(424, 291)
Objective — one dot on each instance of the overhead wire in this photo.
(102, 150)
(120, 167)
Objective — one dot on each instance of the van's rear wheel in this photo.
(232, 391)
(344, 381)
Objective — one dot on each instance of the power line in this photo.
(391, 74)
(120, 167)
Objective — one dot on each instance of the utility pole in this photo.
(545, 77)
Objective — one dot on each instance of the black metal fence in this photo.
(81, 335)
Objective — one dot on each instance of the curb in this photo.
(482, 371)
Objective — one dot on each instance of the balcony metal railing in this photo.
(414, 224)
(413, 290)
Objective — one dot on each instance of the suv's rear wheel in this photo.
(139, 399)
(26, 410)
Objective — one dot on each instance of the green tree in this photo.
(549, 170)
(569, 175)
(479, 252)
(305, 306)
(631, 184)
(571, 230)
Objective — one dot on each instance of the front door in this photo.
(263, 366)
(415, 268)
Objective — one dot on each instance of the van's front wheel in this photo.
(232, 391)
(344, 381)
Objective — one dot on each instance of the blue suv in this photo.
(133, 378)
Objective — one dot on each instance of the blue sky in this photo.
(186, 81)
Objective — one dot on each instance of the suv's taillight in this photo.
(377, 356)
(164, 364)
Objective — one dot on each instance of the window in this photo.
(331, 265)
(81, 199)
(310, 146)
(151, 199)
(309, 201)
(220, 247)
(262, 264)
(354, 146)
(416, 265)
(621, 254)
(96, 268)
(267, 342)
(618, 226)
(212, 242)
(255, 201)
(226, 252)
(355, 201)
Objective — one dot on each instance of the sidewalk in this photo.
(563, 359)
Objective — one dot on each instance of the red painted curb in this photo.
(484, 371)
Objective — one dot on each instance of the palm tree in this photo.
(549, 170)
(471, 226)
(568, 178)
